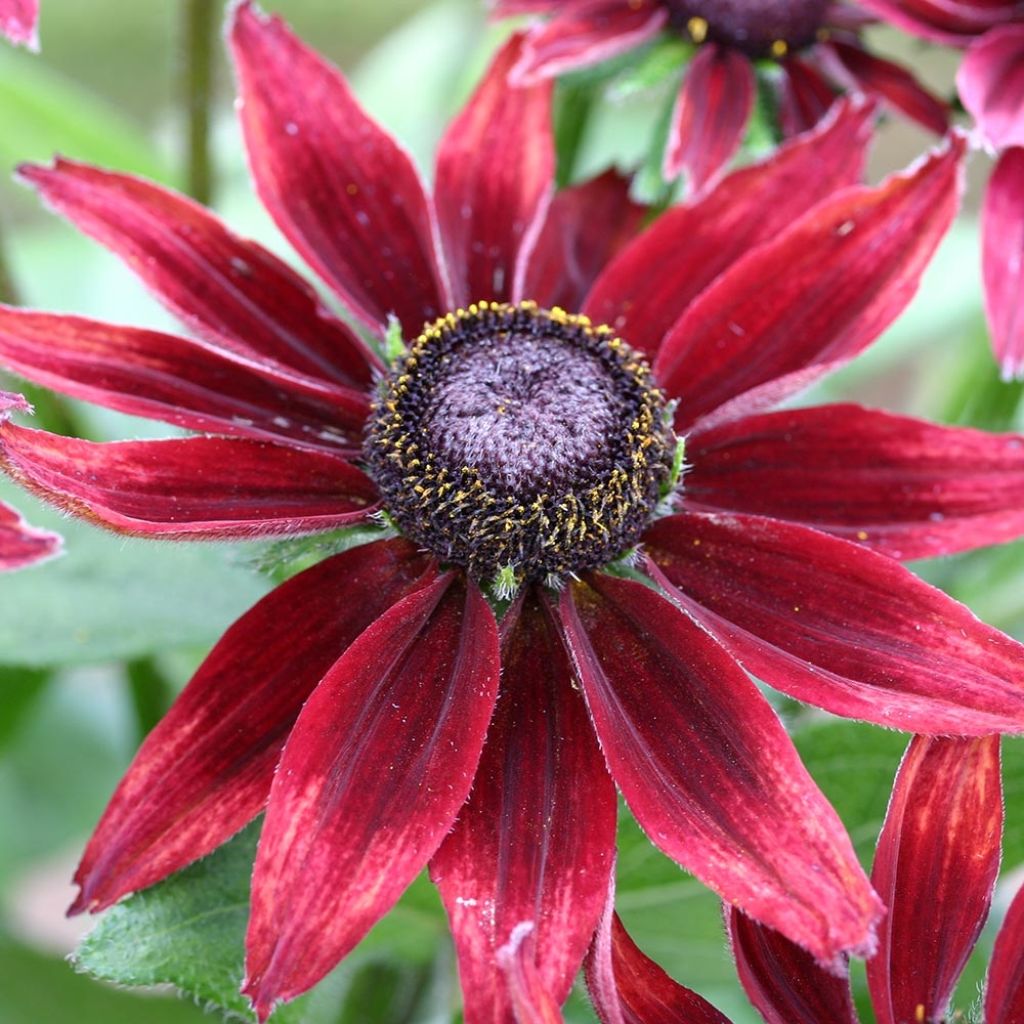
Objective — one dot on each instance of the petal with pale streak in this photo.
(991, 84)
(536, 839)
(531, 1001)
(206, 769)
(374, 772)
(22, 545)
(19, 21)
(197, 487)
(935, 868)
(839, 626)
(1004, 991)
(708, 770)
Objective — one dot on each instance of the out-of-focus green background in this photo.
(92, 645)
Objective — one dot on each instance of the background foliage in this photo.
(93, 645)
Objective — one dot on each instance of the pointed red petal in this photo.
(229, 290)
(647, 288)
(895, 84)
(585, 32)
(1002, 261)
(833, 467)
(839, 626)
(710, 116)
(536, 840)
(188, 383)
(22, 545)
(991, 84)
(192, 487)
(945, 21)
(936, 867)
(1004, 991)
(804, 97)
(813, 298)
(627, 987)
(340, 188)
(494, 180)
(586, 226)
(372, 776)
(206, 769)
(531, 1002)
(708, 769)
(782, 980)
(19, 21)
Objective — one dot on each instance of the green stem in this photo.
(200, 23)
(572, 111)
(150, 693)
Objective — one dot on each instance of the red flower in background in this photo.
(515, 444)
(936, 866)
(815, 44)
(19, 21)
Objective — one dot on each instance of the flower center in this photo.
(758, 27)
(520, 443)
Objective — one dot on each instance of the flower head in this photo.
(360, 702)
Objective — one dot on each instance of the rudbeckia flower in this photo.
(936, 867)
(814, 44)
(528, 459)
(19, 21)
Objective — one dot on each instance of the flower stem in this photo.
(200, 21)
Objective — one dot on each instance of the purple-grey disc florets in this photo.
(757, 27)
(513, 440)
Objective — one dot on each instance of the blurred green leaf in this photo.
(19, 689)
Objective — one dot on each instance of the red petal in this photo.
(710, 116)
(372, 776)
(804, 97)
(345, 194)
(1002, 261)
(179, 381)
(191, 487)
(494, 180)
(530, 1001)
(206, 769)
(627, 987)
(836, 625)
(647, 288)
(936, 867)
(585, 32)
(796, 307)
(905, 487)
(991, 84)
(230, 291)
(895, 84)
(708, 769)
(946, 21)
(585, 227)
(1004, 992)
(19, 20)
(22, 545)
(536, 840)
(782, 980)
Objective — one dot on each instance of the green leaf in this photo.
(110, 598)
(19, 689)
(664, 58)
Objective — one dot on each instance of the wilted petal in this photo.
(340, 188)
(531, 1002)
(19, 21)
(495, 175)
(627, 987)
(22, 545)
(536, 839)
(585, 32)
(647, 288)
(782, 980)
(206, 769)
(908, 488)
(229, 290)
(935, 868)
(708, 769)
(839, 626)
(804, 97)
(710, 116)
(188, 383)
(792, 309)
(374, 772)
(1002, 261)
(991, 84)
(196, 487)
(1004, 991)
(893, 83)
(586, 226)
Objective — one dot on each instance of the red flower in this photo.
(20, 544)
(936, 866)
(19, 21)
(814, 43)
(516, 444)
